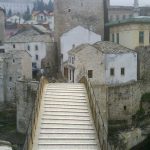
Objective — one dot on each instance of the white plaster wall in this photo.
(41, 52)
(76, 36)
(118, 61)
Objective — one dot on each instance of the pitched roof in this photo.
(105, 47)
(108, 47)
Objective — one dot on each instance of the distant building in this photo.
(116, 13)
(37, 41)
(73, 38)
(131, 33)
(103, 63)
(44, 17)
(14, 65)
(15, 19)
(16, 6)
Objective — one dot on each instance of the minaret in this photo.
(136, 8)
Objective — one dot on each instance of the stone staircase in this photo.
(65, 119)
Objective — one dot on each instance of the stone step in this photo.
(66, 126)
(66, 131)
(60, 94)
(50, 96)
(65, 122)
(67, 141)
(66, 135)
(65, 114)
(66, 90)
(69, 118)
(66, 107)
(58, 103)
(65, 101)
(65, 110)
(68, 147)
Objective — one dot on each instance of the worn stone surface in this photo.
(70, 13)
(26, 96)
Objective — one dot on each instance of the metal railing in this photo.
(34, 116)
(100, 125)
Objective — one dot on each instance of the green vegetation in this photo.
(145, 97)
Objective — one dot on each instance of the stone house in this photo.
(131, 33)
(73, 38)
(37, 41)
(103, 62)
(14, 65)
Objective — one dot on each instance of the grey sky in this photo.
(129, 2)
(125, 2)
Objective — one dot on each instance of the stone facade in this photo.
(25, 103)
(131, 33)
(38, 42)
(70, 13)
(2, 26)
(109, 63)
(14, 65)
(124, 100)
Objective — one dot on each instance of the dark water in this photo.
(143, 146)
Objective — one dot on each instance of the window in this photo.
(149, 37)
(122, 71)
(117, 38)
(125, 107)
(37, 57)
(112, 71)
(124, 17)
(14, 46)
(90, 73)
(73, 58)
(28, 48)
(113, 37)
(36, 47)
(13, 61)
(2, 51)
(34, 65)
(141, 37)
(70, 74)
(69, 10)
(10, 78)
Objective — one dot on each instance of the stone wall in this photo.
(124, 100)
(25, 95)
(71, 13)
(144, 63)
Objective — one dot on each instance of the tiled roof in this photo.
(111, 47)
(105, 47)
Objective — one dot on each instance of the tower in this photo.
(71, 13)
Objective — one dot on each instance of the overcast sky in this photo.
(125, 2)
(129, 2)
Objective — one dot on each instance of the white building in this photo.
(35, 40)
(16, 5)
(103, 63)
(73, 38)
(44, 17)
(15, 19)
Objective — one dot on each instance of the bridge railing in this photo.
(100, 124)
(30, 134)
